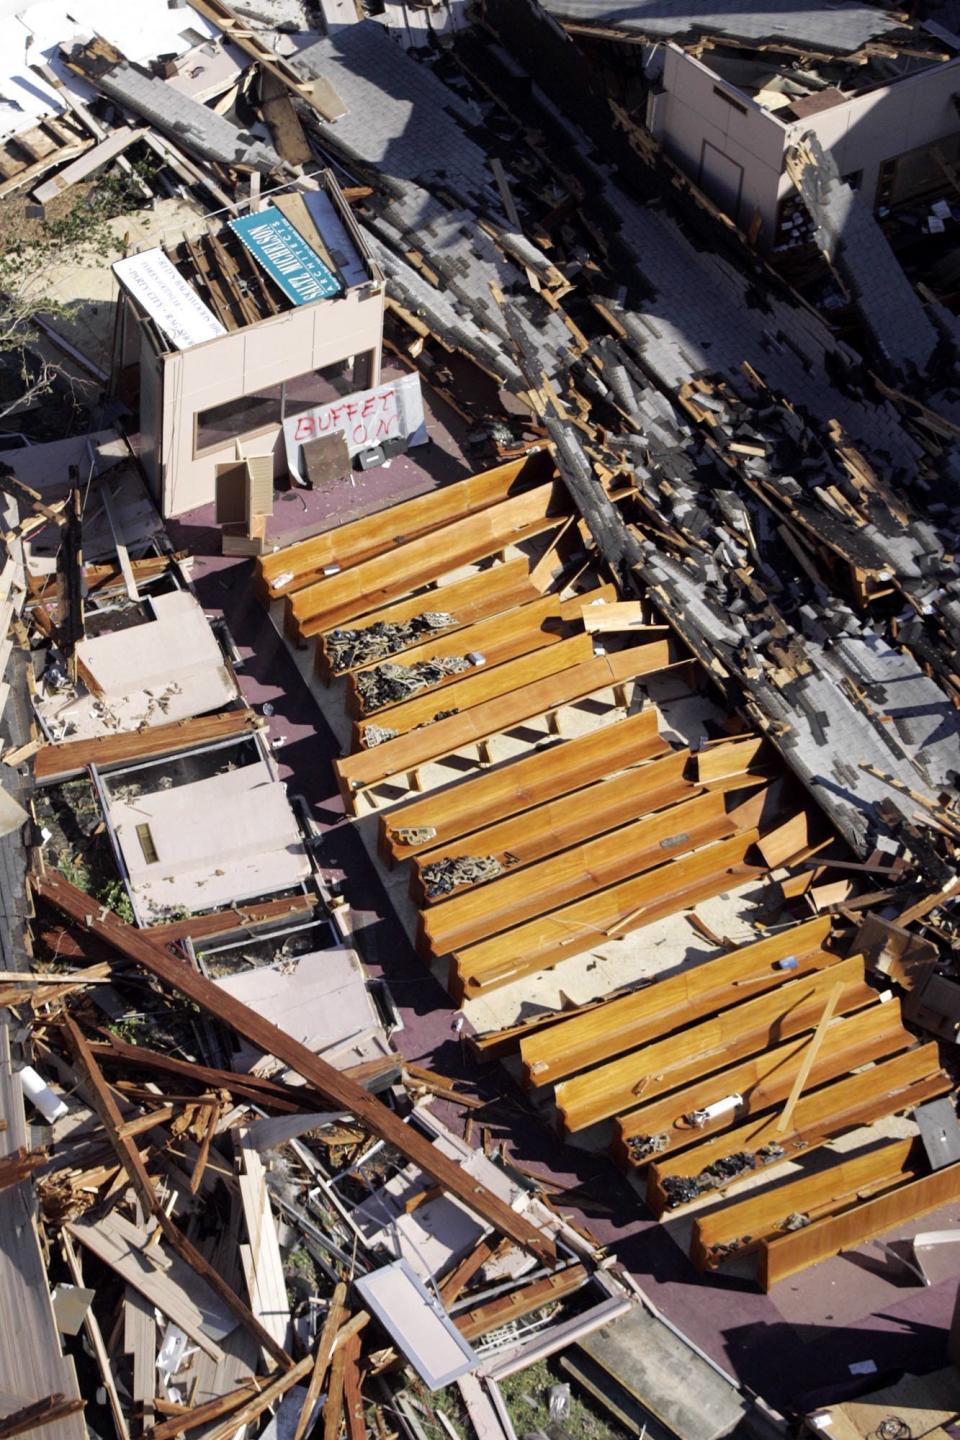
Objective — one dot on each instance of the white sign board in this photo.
(367, 418)
(167, 298)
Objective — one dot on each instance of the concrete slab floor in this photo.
(784, 1345)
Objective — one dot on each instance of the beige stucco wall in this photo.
(718, 145)
(689, 115)
(309, 337)
(869, 129)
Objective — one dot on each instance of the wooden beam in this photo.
(346, 1094)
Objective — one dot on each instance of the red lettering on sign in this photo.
(305, 429)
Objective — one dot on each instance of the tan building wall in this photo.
(280, 348)
(735, 150)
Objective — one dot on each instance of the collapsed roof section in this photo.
(412, 133)
(841, 28)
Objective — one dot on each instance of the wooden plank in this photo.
(91, 1327)
(283, 122)
(71, 757)
(384, 578)
(469, 692)
(319, 1075)
(89, 163)
(514, 788)
(605, 860)
(325, 1344)
(741, 1225)
(546, 621)
(574, 928)
(122, 1246)
(785, 1255)
(661, 1125)
(884, 1089)
(679, 1058)
(445, 737)
(547, 829)
(298, 565)
(816, 1040)
(487, 593)
(698, 990)
(352, 1397)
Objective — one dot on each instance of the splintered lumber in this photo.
(255, 1406)
(339, 1089)
(620, 1024)
(525, 1300)
(510, 789)
(445, 737)
(467, 692)
(487, 593)
(298, 565)
(325, 1344)
(71, 757)
(38, 1415)
(577, 927)
(664, 1125)
(548, 621)
(605, 860)
(883, 1089)
(739, 1227)
(783, 1255)
(363, 588)
(715, 1042)
(546, 829)
(132, 1162)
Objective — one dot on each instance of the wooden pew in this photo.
(699, 990)
(559, 769)
(604, 860)
(660, 1127)
(489, 592)
(71, 757)
(382, 579)
(740, 1227)
(546, 621)
(547, 829)
(542, 943)
(783, 1255)
(891, 1086)
(374, 534)
(466, 692)
(408, 752)
(714, 1043)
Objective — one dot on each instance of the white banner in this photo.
(365, 419)
(167, 298)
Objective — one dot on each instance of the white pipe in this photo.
(38, 1092)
